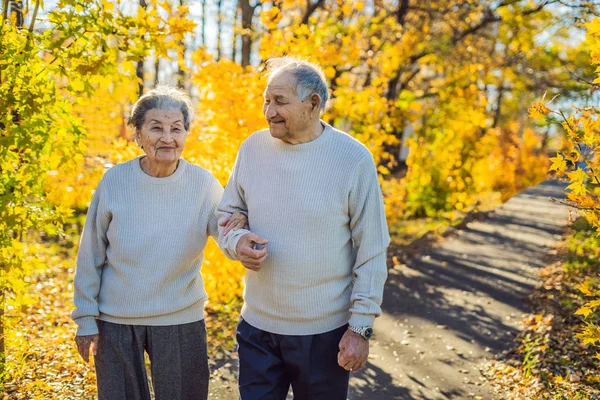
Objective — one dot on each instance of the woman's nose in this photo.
(167, 136)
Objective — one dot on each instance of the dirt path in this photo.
(453, 306)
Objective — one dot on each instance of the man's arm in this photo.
(237, 221)
(238, 244)
(232, 201)
(371, 239)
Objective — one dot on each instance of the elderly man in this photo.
(316, 253)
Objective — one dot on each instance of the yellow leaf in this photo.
(558, 164)
(578, 179)
(583, 288)
(108, 6)
(593, 304)
(77, 85)
(538, 317)
(584, 311)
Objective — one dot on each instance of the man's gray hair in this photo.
(162, 98)
(309, 77)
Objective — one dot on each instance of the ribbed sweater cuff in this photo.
(362, 320)
(86, 326)
(235, 237)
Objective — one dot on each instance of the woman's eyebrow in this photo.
(160, 122)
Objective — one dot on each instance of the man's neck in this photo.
(308, 135)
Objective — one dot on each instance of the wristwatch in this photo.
(365, 331)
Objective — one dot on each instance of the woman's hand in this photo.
(84, 343)
(237, 221)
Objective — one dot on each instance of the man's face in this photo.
(288, 117)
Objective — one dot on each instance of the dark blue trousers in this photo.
(270, 363)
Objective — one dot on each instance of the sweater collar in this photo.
(323, 137)
(159, 181)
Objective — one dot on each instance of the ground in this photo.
(450, 307)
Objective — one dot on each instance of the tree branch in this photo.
(312, 7)
(35, 11)
(402, 12)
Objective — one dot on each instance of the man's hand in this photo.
(248, 255)
(84, 343)
(354, 351)
(237, 221)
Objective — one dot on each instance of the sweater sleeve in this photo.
(370, 238)
(215, 196)
(233, 201)
(91, 258)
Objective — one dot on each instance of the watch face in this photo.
(368, 333)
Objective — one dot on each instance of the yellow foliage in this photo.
(581, 148)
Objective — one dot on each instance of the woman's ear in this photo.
(138, 138)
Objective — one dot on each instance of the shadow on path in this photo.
(453, 305)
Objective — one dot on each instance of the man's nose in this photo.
(270, 111)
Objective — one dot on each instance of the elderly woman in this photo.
(137, 284)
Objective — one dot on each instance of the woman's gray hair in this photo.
(309, 77)
(162, 98)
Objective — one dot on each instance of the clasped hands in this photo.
(250, 248)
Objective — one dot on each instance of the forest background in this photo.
(437, 90)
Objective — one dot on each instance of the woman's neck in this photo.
(157, 170)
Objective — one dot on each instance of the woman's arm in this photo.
(90, 261)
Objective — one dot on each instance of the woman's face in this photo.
(162, 136)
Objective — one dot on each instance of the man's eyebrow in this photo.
(276, 95)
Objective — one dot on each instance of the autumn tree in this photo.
(457, 73)
(42, 75)
(578, 161)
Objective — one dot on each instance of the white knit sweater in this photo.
(320, 206)
(142, 247)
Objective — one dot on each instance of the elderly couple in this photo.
(302, 211)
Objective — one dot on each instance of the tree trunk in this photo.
(235, 33)
(139, 70)
(219, 28)
(247, 30)
(498, 111)
(16, 7)
(2, 348)
(5, 9)
(156, 70)
(181, 60)
(203, 31)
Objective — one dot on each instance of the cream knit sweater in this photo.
(320, 206)
(142, 247)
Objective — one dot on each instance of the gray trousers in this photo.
(178, 361)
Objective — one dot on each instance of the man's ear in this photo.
(315, 102)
